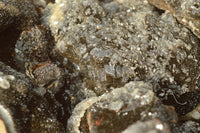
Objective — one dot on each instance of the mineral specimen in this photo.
(34, 45)
(115, 111)
(31, 112)
(46, 72)
(109, 65)
(187, 127)
(187, 12)
(193, 115)
(34, 50)
(133, 42)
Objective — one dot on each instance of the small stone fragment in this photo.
(34, 45)
(46, 72)
(40, 3)
(34, 50)
(114, 66)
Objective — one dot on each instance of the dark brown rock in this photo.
(30, 110)
(23, 13)
(115, 111)
(8, 14)
(34, 45)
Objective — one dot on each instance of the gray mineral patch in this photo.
(134, 42)
(187, 12)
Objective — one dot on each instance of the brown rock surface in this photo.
(115, 111)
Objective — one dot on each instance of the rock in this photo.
(45, 73)
(112, 65)
(14, 97)
(120, 108)
(34, 45)
(187, 12)
(21, 13)
(46, 114)
(193, 115)
(15, 16)
(14, 80)
(129, 41)
(34, 50)
(35, 113)
(154, 126)
(30, 111)
(187, 127)
(8, 14)
(41, 4)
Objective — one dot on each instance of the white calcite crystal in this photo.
(4, 80)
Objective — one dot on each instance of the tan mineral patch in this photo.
(2, 127)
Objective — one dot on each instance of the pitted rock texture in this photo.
(109, 64)
(34, 51)
(187, 12)
(31, 112)
(115, 42)
(34, 45)
(115, 111)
